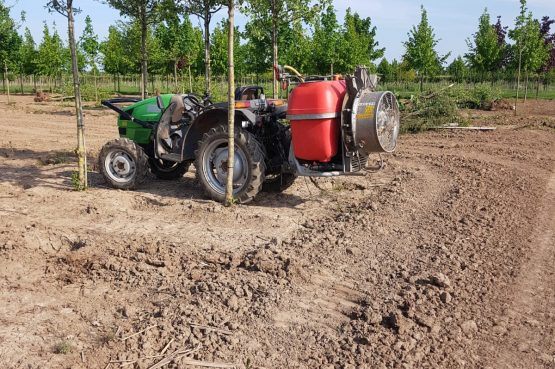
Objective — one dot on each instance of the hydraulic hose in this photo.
(294, 71)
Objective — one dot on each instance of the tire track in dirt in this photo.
(530, 317)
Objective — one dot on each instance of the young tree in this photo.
(50, 56)
(549, 41)
(204, 9)
(145, 12)
(530, 51)
(220, 52)
(458, 70)
(358, 44)
(177, 40)
(385, 71)
(485, 52)
(65, 8)
(295, 45)
(115, 61)
(9, 44)
(231, 103)
(281, 12)
(325, 42)
(91, 48)
(420, 53)
(28, 55)
(501, 32)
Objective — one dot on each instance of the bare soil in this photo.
(444, 259)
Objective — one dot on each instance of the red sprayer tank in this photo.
(314, 110)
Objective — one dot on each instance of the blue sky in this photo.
(453, 20)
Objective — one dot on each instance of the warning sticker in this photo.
(367, 114)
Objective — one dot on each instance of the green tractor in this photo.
(327, 127)
(167, 133)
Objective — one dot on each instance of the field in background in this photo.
(130, 85)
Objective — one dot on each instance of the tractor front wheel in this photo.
(123, 164)
(211, 164)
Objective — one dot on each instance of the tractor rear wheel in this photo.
(211, 164)
(123, 164)
(167, 170)
(282, 181)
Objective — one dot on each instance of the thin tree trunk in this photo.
(526, 87)
(518, 78)
(144, 62)
(275, 87)
(81, 150)
(231, 109)
(142, 86)
(175, 76)
(21, 82)
(190, 80)
(207, 67)
(7, 80)
(95, 86)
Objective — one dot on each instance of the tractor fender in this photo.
(206, 121)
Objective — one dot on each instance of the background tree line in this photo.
(158, 38)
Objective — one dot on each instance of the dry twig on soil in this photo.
(139, 332)
(209, 328)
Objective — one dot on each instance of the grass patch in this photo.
(76, 183)
(63, 348)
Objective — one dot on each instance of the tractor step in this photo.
(171, 157)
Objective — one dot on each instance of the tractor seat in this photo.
(179, 108)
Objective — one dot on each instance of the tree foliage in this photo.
(325, 42)
(458, 70)
(549, 41)
(205, 10)
(420, 53)
(51, 56)
(529, 50)
(9, 38)
(115, 61)
(486, 51)
(28, 55)
(276, 15)
(89, 45)
(145, 13)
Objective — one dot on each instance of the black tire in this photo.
(123, 164)
(279, 182)
(248, 150)
(167, 170)
(282, 181)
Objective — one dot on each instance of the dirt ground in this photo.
(445, 259)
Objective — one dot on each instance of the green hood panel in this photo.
(146, 110)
